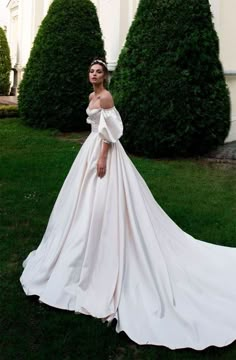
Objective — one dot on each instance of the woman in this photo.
(110, 251)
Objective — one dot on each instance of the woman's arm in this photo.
(106, 102)
(102, 160)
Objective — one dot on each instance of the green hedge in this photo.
(7, 111)
(55, 87)
(5, 64)
(169, 84)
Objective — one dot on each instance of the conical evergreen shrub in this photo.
(54, 90)
(5, 64)
(169, 84)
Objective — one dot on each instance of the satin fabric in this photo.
(110, 251)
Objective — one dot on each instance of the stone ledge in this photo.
(8, 100)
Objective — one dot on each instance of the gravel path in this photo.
(224, 153)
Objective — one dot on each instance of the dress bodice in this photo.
(93, 118)
(93, 114)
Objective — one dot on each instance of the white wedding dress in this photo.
(110, 251)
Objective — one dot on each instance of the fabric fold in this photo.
(110, 126)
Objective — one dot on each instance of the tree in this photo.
(169, 84)
(54, 90)
(5, 64)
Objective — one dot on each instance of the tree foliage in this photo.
(5, 64)
(169, 84)
(54, 90)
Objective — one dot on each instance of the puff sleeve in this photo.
(110, 127)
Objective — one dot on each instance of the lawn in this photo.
(199, 196)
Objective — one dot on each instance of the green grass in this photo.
(199, 196)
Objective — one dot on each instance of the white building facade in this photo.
(115, 17)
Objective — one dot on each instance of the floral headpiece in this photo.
(99, 61)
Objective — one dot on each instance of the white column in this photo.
(115, 17)
(19, 42)
(12, 30)
(109, 17)
(38, 15)
(96, 3)
(228, 55)
(46, 5)
(133, 5)
(128, 11)
(215, 9)
(25, 30)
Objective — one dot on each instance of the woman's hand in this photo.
(101, 166)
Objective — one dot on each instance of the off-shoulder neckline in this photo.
(93, 108)
(100, 108)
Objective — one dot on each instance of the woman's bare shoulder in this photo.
(106, 100)
(91, 95)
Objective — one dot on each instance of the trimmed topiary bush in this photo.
(169, 84)
(5, 64)
(54, 90)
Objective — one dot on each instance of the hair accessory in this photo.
(99, 61)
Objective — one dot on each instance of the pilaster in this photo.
(215, 9)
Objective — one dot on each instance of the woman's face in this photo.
(96, 74)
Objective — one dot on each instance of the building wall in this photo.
(115, 17)
(227, 31)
